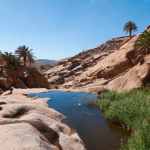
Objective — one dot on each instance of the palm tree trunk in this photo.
(30, 64)
(130, 33)
(24, 61)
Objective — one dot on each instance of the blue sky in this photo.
(56, 29)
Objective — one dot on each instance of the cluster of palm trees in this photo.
(21, 52)
(14, 69)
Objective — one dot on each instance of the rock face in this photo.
(4, 83)
(28, 123)
(20, 84)
(36, 80)
(68, 69)
(116, 65)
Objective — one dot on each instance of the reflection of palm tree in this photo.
(130, 27)
(23, 51)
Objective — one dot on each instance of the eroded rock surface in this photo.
(116, 65)
(36, 80)
(28, 124)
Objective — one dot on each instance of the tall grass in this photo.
(132, 111)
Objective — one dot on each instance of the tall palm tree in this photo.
(24, 52)
(31, 57)
(130, 27)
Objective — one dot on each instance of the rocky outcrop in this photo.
(36, 80)
(67, 70)
(116, 65)
(20, 84)
(5, 83)
(32, 125)
(137, 77)
(56, 80)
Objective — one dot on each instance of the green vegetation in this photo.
(143, 40)
(42, 67)
(130, 27)
(130, 110)
(13, 66)
(23, 51)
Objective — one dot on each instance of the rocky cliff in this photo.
(115, 65)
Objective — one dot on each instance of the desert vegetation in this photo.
(143, 40)
(130, 110)
(25, 53)
(11, 64)
(130, 27)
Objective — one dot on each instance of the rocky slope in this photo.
(115, 65)
(28, 124)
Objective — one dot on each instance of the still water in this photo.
(97, 132)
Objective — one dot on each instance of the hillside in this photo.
(113, 65)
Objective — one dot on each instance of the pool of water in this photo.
(97, 132)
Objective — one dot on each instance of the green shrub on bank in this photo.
(132, 111)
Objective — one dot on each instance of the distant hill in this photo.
(45, 61)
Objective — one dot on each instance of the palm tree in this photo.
(143, 39)
(130, 27)
(14, 70)
(23, 51)
(31, 57)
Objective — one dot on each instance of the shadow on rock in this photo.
(2, 103)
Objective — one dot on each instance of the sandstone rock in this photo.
(23, 136)
(134, 78)
(148, 27)
(61, 62)
(55, 70)
(20, 84)
(5, 83)
(37, 80)
(56, 80)
(72, 66)
(36, 126)
(1, 91)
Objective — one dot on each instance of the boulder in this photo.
(137, 77)
(36, 80)
(5, 83)
(23, 136)
(20, 84)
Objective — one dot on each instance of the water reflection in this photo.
(96, 131)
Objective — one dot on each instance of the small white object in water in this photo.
(79, 104)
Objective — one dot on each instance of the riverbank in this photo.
(28, 123)
(130, 110)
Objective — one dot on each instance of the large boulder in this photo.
(5, 83)
(137, 77)
(20, 84)
(36, 80)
